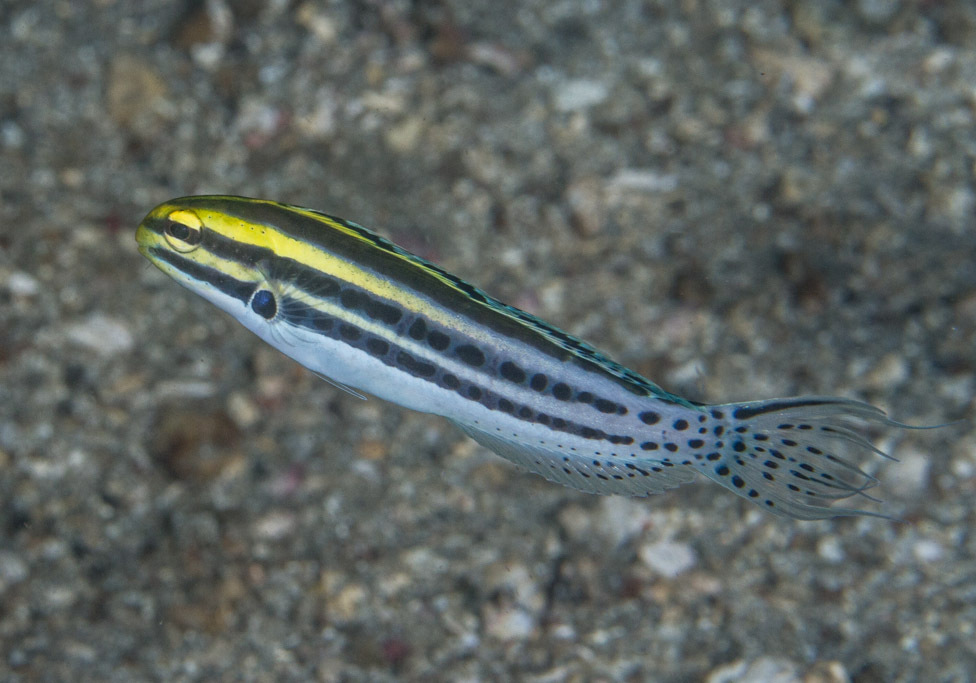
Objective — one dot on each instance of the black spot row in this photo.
(413, 366)
(377, 347)
(649, 417)
(355, 300)
(470, 355)
(509, 370)
(350, 332)
(574, 346)
(493, 401)
(436, 339)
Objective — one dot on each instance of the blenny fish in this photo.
(365, 314)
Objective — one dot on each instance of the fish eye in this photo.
(178, 230)
(263, 303)
(183, 231)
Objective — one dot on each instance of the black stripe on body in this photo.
(448, 291)
(303, 315)
(242, 291)
(308, 280)
(293, 279)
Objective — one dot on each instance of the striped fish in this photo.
(364, 313)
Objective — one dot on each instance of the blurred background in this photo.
(738, 199)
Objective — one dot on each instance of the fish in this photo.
(371, 317)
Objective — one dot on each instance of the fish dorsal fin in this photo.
(585, 471)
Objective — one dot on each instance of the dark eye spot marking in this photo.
(182, 237)
(605, 406)
(450, 381)
(649, 417)
(681, 425)
(263, 303)
(539, 382)
(177, 230)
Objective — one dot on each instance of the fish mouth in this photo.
(147, 252)
(141, 241)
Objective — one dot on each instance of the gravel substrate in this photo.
(737, 199)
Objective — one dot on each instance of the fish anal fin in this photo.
(589, 472)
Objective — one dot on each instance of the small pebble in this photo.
(928, 551)
(761, 670)
(668, 558)
(22, 284)
(102, 334)
(579, 94)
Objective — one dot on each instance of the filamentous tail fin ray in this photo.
(786, 454)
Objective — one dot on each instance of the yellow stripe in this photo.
(269, 237)
(318, 217)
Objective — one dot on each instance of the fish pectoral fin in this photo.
(339, 385)
(585, 471)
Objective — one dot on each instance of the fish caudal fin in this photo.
(784, 454)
